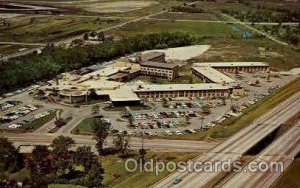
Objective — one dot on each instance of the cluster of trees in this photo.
(261, 15)
(54, 165)
(60, 164)
(54, 60)
(286, 32)
(189, 9)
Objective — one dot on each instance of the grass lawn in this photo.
(39, 122)
(64, 186)
(123, 108)
(214, 30)
(289, 178)
(86, 126)
(233, 125)
(115, 166)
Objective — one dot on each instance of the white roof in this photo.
(213, 75)
(181, 87)
(231, 64)
(107, 71)
(182, 53)
(123, 93)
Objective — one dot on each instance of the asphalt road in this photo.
(233, 148)
(135, 143)
(282, 150)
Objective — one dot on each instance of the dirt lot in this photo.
(279, 57)
(119, 6)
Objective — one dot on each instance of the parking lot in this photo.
(187, 115)
(171, 116)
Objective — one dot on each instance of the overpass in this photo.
(235, 146)
(283, 150)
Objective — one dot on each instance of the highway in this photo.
(282, 150)
(135, 143)
(236, 146)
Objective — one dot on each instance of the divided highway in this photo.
(282, 150)
(236, 146)
(135, 143)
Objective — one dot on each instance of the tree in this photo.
(95, 110)
(187, 119)
(10, 159)
(165, 103)
(40, 154)
(257, 82)
(60, 153)
(101, 134)
(39, 166)
(60, 122)
(224, 101)
(94, 177)
(206, 109)
(142, 155)
(84, 156)
(121, 143)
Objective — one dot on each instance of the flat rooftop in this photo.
(151, 55)
(213, 75)
(231, 64)
(121, 94)
(180, 87)
(107, 71)
(159, 65)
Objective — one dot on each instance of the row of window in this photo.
(182, 94)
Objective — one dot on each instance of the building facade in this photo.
(183, 90)
(170, 71)
(237, 66)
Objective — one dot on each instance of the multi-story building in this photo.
(167, 70)
(236, 66)
(182, 90)
(211, 75)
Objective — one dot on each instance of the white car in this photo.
(14, 117)
(178, 132)
(168, 133)
(192, 130)
(14, 126)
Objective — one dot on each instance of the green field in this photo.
(214, 30)
(86, 126)
(6, 49)
(187, 16)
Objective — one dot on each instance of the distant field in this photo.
(116, 7)
(279, 57)
(49, 28)
(187, 16)
(215, 30)
(95, 6)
